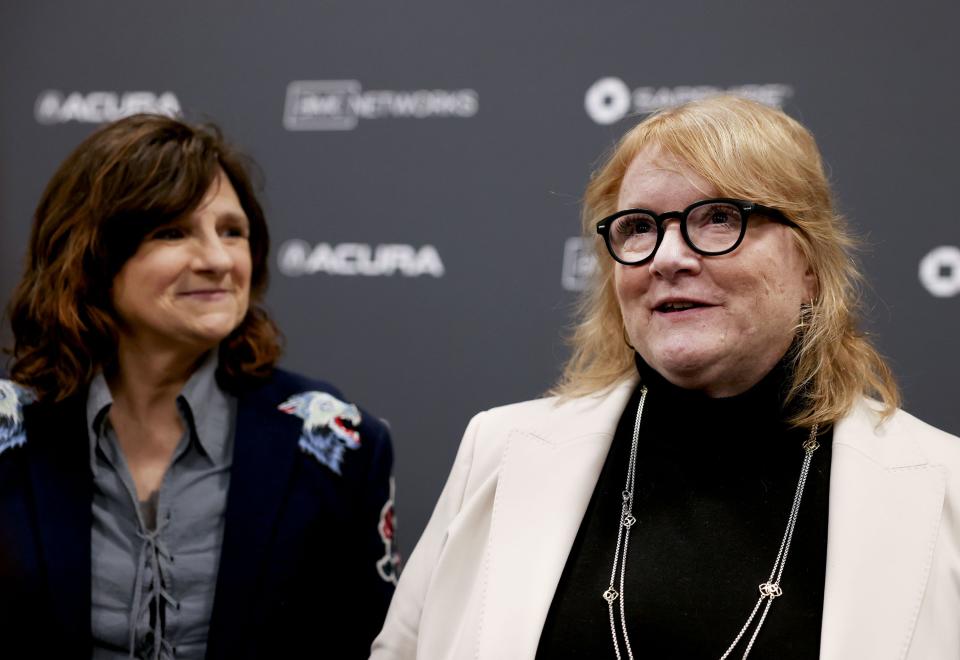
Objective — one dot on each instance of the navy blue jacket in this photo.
(307, 561)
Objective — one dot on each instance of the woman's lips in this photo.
(205, 294)
(679, 306)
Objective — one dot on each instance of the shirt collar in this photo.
(99, 400)
(206, 409)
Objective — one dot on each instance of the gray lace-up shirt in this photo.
(154, 564)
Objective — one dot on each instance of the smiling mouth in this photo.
(204, 292)
(672, 307)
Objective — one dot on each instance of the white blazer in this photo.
(482, 577)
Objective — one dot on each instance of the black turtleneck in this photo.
(714, 484)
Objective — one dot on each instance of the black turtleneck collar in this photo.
(740, 433)
(764, 402)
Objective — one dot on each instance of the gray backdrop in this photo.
(423, 165)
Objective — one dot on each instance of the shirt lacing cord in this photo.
(154, 594)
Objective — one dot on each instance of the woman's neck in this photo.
(765, 399)
(145, 385)
(146, 382)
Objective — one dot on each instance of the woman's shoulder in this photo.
(317, 400)
(899, 438)
(939, 445)
(558, 407)
(284, 383)
(555, 418)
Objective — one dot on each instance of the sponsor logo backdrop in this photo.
(423, 166)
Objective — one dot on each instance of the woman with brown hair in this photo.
(165, 490)
(724, 468)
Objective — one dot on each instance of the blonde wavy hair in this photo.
(747, 151)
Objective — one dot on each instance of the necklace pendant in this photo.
(770, 590)
(610, 595)
(629, 521)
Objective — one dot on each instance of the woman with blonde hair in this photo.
(723, 468)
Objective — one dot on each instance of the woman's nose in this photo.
(212, 255)
(674, 256)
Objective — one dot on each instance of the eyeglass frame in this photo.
(746, 210)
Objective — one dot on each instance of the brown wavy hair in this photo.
(747, 151)
(123, 181)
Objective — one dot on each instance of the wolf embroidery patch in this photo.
(12, 400)
(326, 434)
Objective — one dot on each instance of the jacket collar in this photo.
(529, 540)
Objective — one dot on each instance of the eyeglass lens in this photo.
(712, 227)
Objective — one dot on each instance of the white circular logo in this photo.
(940, 271)
(607, 100)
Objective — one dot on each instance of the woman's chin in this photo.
(202, 338)
(211, 338)
(213, 328)
(683, 359)
(688, 369)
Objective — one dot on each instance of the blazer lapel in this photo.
(875, 579)
(62, 488)
(546, 479)
(265, 447)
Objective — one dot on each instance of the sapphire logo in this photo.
(609, 99)
(579, 263)
(339, 105)
(297, 257)
(54, 107)
(940, 271)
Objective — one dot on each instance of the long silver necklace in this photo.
(769, 590)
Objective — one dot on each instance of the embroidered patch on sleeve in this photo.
(12, 400)
(329, 426)
(388, 565)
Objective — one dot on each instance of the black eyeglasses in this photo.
(710, 227)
